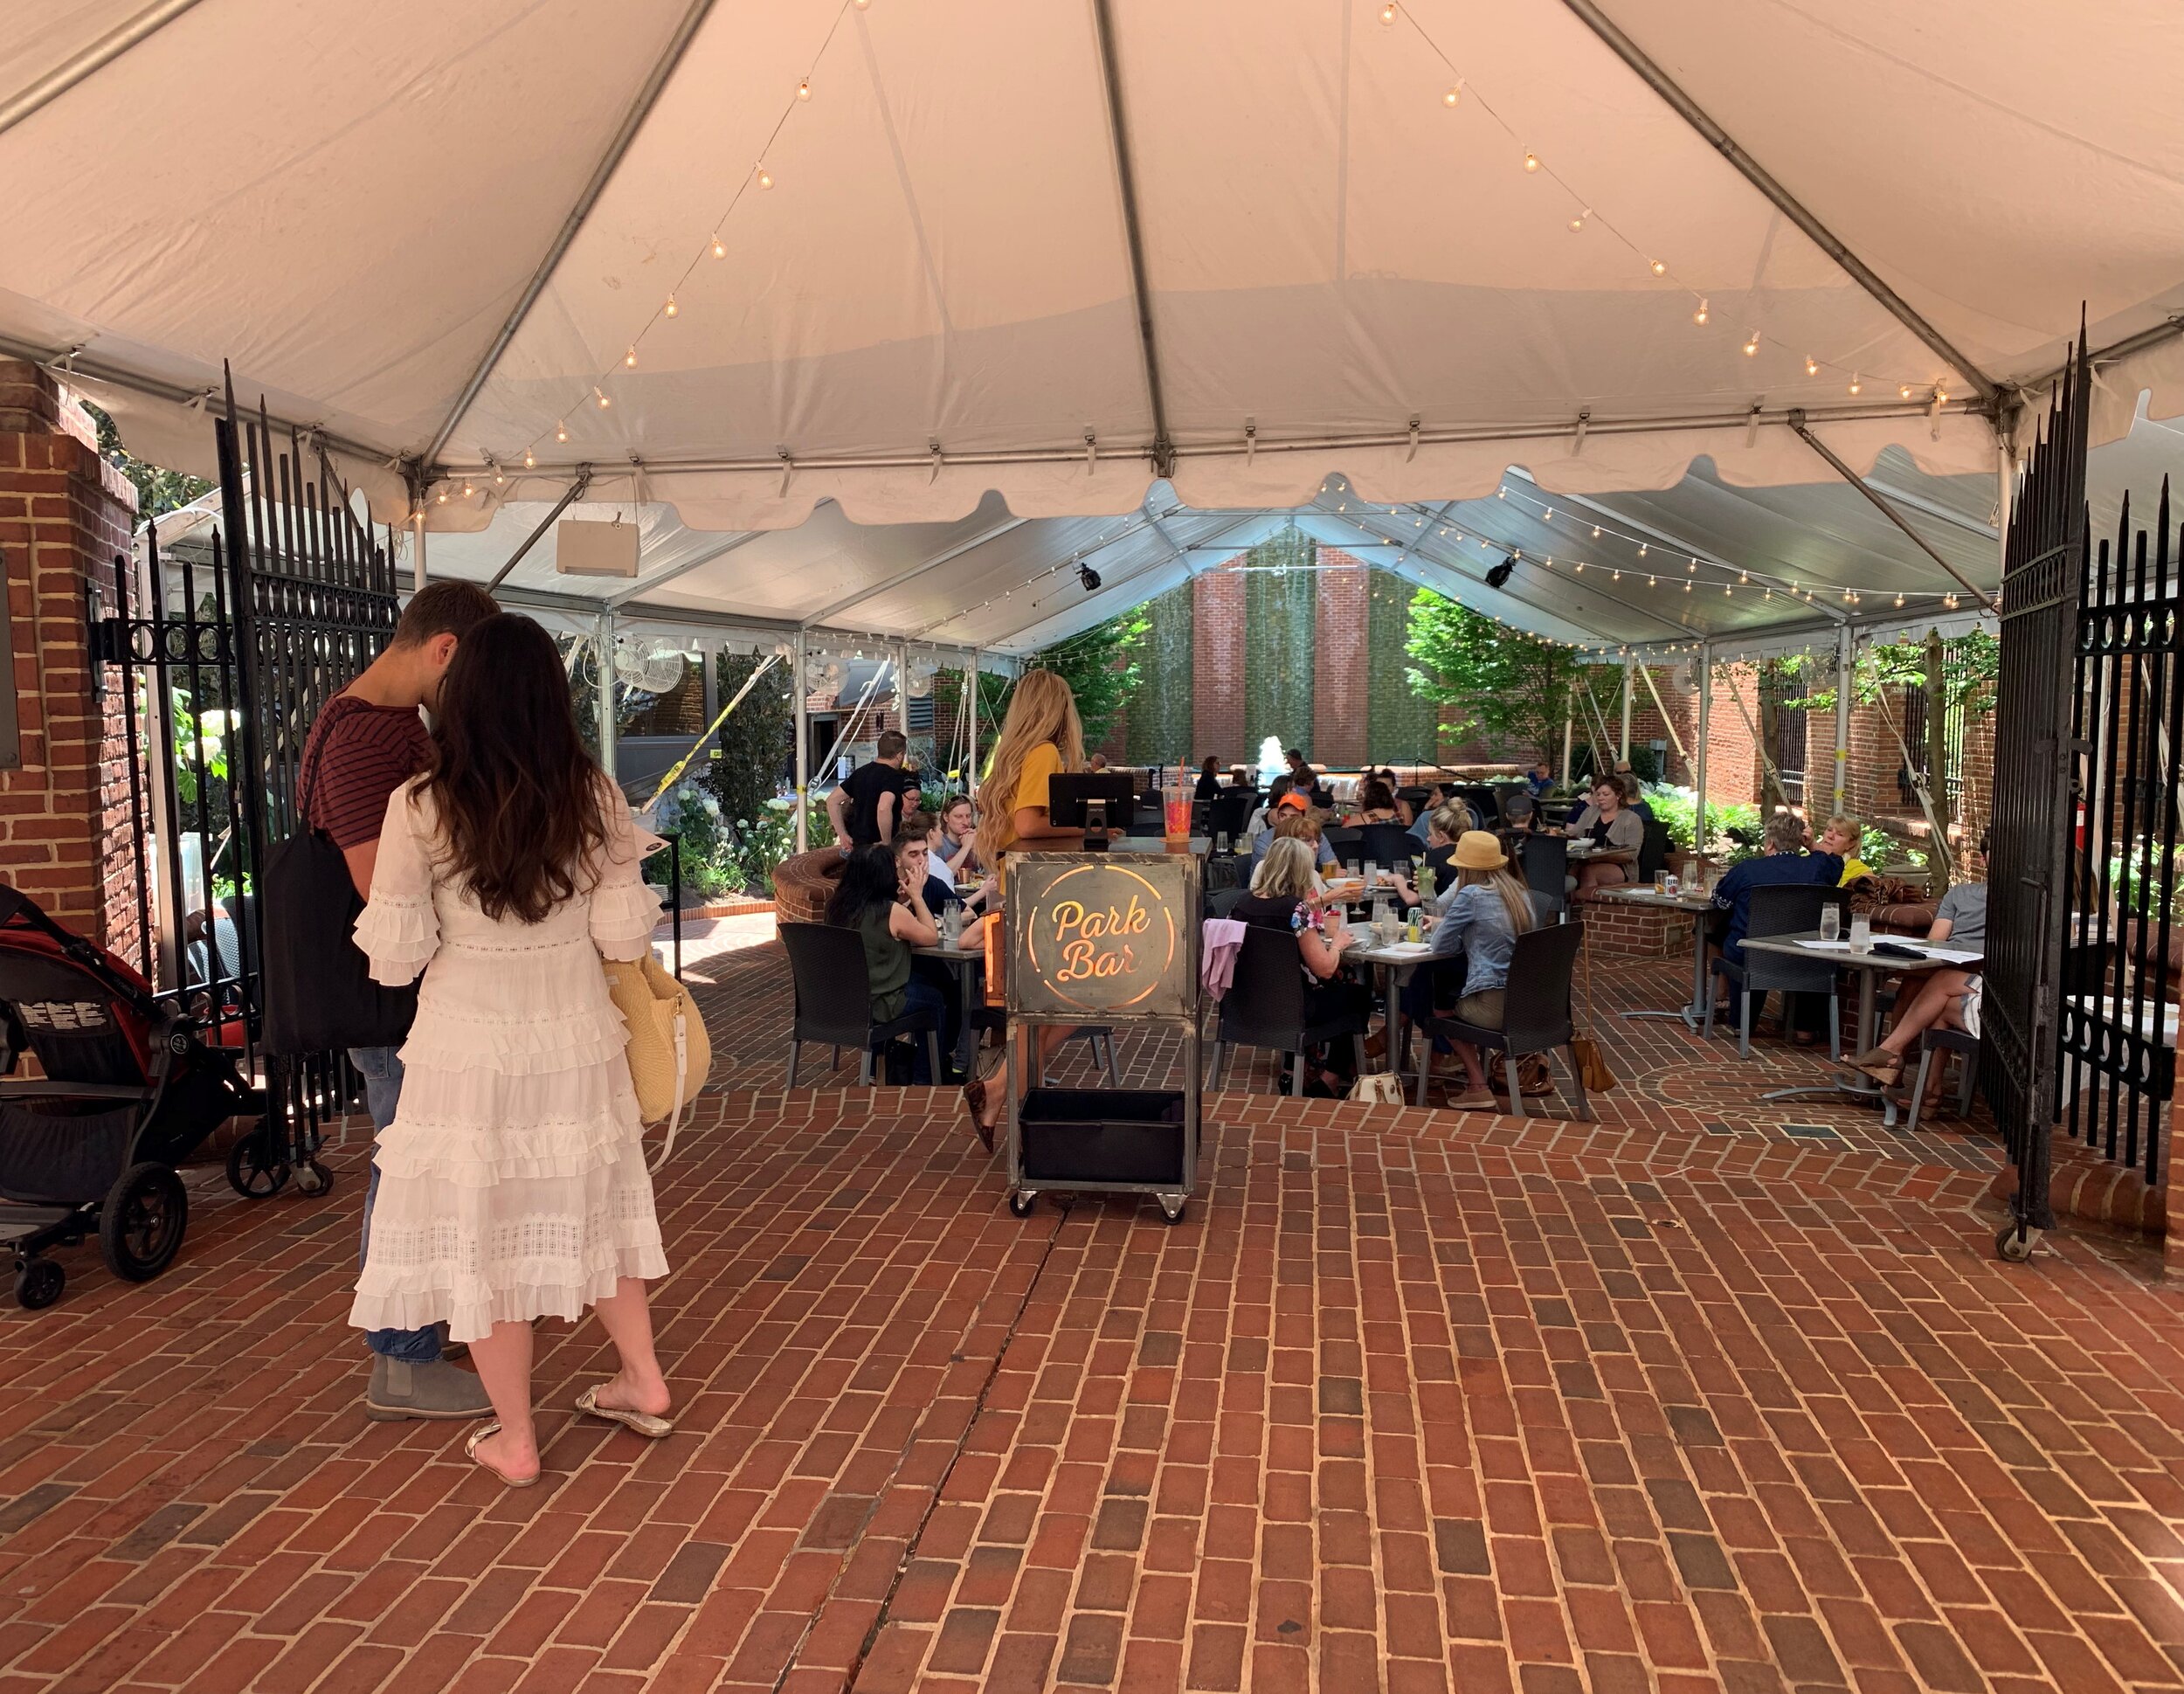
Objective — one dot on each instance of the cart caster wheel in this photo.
(38, 1284)
(312, 1177)
(2014, 1249)
(1170, 1210)
(248, 1173)
(141, 1223)
(1020, 1205)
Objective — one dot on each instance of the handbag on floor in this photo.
(1593, 1072)
(670, 1054)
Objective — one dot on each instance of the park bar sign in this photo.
(1106, 933)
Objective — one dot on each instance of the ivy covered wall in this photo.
(1403, 728)
(1160, 712)
(1281, 597)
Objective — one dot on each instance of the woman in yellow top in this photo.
(1041, 736)
(1842, 837)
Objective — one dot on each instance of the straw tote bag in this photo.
(670, 1054)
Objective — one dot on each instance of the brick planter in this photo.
(1624, 931)
(804, 882)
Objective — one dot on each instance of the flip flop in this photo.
(470, 1449)
(644, 1423)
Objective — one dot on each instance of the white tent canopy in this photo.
(1092, 258)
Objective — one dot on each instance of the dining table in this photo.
(1904, 957)
(967, 964)
(1700, 909)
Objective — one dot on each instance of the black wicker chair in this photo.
(833, 1000)
(1266, 1005)
(1792, 911)
(1535, 1014)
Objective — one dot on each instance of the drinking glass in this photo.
(1371, 876)
(1661, 881)
(1830, 922)
(1860, 933)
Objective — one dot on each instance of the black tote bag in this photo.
(318, 988)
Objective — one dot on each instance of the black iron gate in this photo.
(226, 659)
(2119, 1056)
(2044, 571)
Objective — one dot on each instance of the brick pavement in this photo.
(1410, 1401)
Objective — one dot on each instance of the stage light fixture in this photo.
(1501, 572)
(1089, 577)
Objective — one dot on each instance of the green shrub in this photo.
(1732, 828)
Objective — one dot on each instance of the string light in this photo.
(530, 459)
(1454, 94)
(442, 494)
(1751, 347)
(561, 431)
(600, 395)
(1576, 224)
(1699, 316)
(1855, 383)
(1903, 392)
(765, 177)
(719, 250)
(670, 308)
(1811, 365)
(1532, 161)
(1596, 532)
(1658, 268)
(630, 358)
(467, 489)
(804, 89)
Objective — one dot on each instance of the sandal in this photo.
(644, 1423)
(974, 1101)
(483, 1433)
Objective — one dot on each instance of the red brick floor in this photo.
(1409, 1401)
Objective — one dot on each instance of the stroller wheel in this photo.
(312, 1177)
(141, 1224)
(38, 1284)
(249, 1173)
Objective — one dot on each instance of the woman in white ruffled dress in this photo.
(512, 1181)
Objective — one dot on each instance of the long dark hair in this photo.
(518, 796)
(868, 879)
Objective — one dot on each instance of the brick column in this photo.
(1342, 660)
(1217, 668)
(1733, 749)
(65, 831)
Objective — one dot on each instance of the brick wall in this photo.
(1341, 663)
(66, 836)
(1217, 666)
(1733, 749)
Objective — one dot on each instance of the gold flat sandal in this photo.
(470, 1450)
(644, 1423)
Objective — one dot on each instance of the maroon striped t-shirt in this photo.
(357, 754)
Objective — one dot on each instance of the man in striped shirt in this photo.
(368, 741)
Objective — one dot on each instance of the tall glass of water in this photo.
(1861, 934)
(1830, 921)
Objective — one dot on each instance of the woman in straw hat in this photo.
(1488, 909)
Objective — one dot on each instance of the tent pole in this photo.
(418, 577)
(1705, 714)
(1625, 754)
(1846, 663)
(797, 682)
(606, 702)
(91, 60)
(1569, 721)
(903, 692)
(1797, 423)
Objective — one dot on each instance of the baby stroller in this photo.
(129, 1090)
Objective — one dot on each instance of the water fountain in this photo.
(1271, 764)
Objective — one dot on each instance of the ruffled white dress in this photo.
(512, 1181)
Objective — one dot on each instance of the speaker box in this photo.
(585, 547)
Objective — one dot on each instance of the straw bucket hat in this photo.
(1477, 850)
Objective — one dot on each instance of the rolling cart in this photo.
(1109, 938)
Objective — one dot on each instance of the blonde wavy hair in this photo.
(1285, 869)
(1040, 709)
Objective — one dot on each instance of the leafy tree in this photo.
(757, 741)
(1100, 665)
(1513, 686)
(157, 490)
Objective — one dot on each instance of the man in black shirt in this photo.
(1304, 780)
(863, 809)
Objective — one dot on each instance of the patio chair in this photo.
(1266, 1007)
(1504, 793)
(1387, 845)
(1534, 1015)
(1793, 910)
(1654, 850)
(1935, 1039)
(1546, 859)
(1222, 902)
(1347, 845)
(833, 1000)
(1227, 815)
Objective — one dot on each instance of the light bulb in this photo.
(603, 401)
(1532, 161)
(630, 358)
(530, 459)
(1855, 383)
(443, 496)
(1699, 316)
(1580, 567)
(804, 89)
(1899, 599)
(1811, 365)
(1453, 95)
(1724, 587)
(500, 477)
(1751, 347)
(719, 252)
(1576, 224)
(861, 4)
(1387, 12)
(670, 308)
(467, 489)
(1596, 532)
(765, 177)
(1903, 392)
(1643, 549)
(1550, 515)
(1617, 576)
(561, 431)
(1659, 269)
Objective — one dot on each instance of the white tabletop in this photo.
(1839, 954)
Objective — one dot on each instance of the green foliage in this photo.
(1970, 665)
(199, 736)
(1160, 704)
(1401, 727)
(1513, 686)
(1281, 618)
(757, 739)
(724, 855)
(1733, 831)
(1101, 666)
(157, 490)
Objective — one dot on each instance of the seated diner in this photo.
(1283, 896)
(1616, 834)
(1485, 912)
(877, 899)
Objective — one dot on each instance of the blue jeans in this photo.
(381, 1067)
